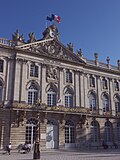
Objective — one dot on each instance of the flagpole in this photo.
(46, 25)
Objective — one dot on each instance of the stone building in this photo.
(48, 89)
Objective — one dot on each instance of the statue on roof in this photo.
(17, 38)
(31, 37)
(70, 46)
(51, 32)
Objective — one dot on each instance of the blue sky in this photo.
(93, 25)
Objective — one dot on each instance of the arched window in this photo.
(117, 104)
(31, 130)
(92, 101)
(69, 98)
(95, 131)
(69, 132)
(108, 132)
(92, 81)
(1, 91)
(105, 101)
(51, 97)
(32, 94)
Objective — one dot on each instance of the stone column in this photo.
(77, 88)
(24, 74)
(112, 108)
(100, 106)
(61, 82)
(43, 85)
(18, 80)
(82, 93)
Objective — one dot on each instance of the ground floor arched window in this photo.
(108, 132)
(69, 132)
(31, 131)
(95, 131)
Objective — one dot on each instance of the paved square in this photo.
(66, 155)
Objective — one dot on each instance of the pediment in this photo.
(54, 48)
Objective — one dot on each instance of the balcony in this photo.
(44, 107)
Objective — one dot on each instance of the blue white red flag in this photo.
(54, 17)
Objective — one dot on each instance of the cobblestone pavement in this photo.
(65, 155)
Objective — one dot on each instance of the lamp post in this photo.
(36, 153)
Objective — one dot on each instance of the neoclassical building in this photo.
(46, 88)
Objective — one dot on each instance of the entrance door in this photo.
(52, 135)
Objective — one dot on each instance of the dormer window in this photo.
(68, 76)
(1, 65)
(92, 81)
(33, 70)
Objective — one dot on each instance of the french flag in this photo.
(54, 17)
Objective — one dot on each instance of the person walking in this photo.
(9, 146)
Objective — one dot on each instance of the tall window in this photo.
(108, 132)
(33, 70)
(117, 104)
(116, 86)
(68, 76)
(105, 103)
(1, 91)
(69, 98)
(69, 132)
(92, 102)
(104, 83)
(51, 97)
(95, 131)
(31, 131)
(118, 131)
(1, 65)
(32, 94)
(92, 81)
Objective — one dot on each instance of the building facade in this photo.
(45, 87)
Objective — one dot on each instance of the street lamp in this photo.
(36, 153)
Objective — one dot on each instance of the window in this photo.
(33, 70)
(108, 132)
(116, 86)
(95, 131)
(92, 81)
(1, 91)
(118, 132)
(1, 65)
(104, 83)
(68, 76)
(51, 97)
(69, 132)
(117, 104)
(69, 98)
(31, 131)
(105, 103)
(32, 94)
(92, 102)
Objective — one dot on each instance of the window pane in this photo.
(1, 65)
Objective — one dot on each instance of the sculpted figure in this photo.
(32, 37)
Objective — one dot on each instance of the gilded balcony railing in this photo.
(44, 107)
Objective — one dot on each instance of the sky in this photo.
(92, 25)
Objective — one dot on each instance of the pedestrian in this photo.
(9, 146)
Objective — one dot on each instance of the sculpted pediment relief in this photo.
(55, 49)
